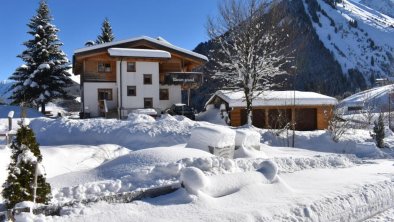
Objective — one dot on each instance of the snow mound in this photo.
(123, 165)
(194, 180)
(140, 118)
(247, 138)
(269, 169)
(217, 140)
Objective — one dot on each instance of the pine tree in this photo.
(44, 75)
(106, 33)
(21, 171)
(378, 130)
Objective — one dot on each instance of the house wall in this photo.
(175, 96)
(324, 114)
(90, 100)
(136, 79)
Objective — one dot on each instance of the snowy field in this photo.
(319, 180)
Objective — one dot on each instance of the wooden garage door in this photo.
(279, 118)
(244, 118)
(258, 116)
(306, 119)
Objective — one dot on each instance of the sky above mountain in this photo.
(181, 22)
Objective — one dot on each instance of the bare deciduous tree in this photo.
(249, 51)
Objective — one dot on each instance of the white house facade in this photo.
(139, 73)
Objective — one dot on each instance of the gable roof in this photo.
(159, 41)
(274, 98)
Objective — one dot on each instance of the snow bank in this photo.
(214, 139)
(357, 142)
(137, 133)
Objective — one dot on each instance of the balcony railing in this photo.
(95, 77)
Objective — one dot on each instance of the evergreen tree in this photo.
(106, 33)
(378, 130)
(19, 185)
(44, 75)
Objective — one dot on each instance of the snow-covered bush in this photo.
(25, 165)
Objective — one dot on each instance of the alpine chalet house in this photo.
(138, 73)
(277, 109)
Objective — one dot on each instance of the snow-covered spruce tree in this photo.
(44, 75)
(378, 131)
(106, 33)
(19, 185)
(248, 55)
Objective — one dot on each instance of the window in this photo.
(104, 94)
(147, 79)
(131, 91)
(148, 103)
(164, 94)
(104, 67)
(131, 67)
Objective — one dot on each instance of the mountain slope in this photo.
(339, 47)
(383, 6)
(360, 38)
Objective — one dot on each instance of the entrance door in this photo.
(103, 94)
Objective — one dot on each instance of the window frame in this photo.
(135, 90)
(167, 94)
(151, 101)
(104, 66)
(135, 67)
(150, 77)
(110, 97)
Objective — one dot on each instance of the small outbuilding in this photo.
(277, 109)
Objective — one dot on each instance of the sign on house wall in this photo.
(185, 79)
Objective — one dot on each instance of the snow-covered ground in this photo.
(319, 180)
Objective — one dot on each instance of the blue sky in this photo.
(181, 22)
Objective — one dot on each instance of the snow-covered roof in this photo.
(375, 95)
(274, 98)
(159, 41)
(146, 53)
